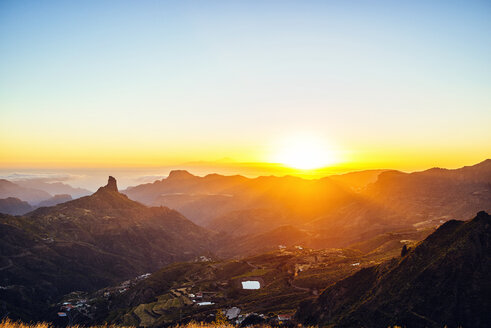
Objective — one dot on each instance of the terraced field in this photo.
(189, 291)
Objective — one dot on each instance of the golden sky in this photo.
(306, 84)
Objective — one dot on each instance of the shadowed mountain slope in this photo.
(345, 211)
(204, 199)
(239, 206)
(14, 206)
(88, 243)
(435, 193)
(152, 236)
(443, 281)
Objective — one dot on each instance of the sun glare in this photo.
(304, 153)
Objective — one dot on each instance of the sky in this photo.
(149, 84)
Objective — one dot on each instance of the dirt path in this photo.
(255, 267)
(25, 253)
(8, 266)
(290, 282)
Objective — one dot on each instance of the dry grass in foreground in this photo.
(7, 323)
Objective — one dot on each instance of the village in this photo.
(287, 275)
(81, 303)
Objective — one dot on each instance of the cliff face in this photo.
(443, 281)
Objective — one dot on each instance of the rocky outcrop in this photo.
(111, 185)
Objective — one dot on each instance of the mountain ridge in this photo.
(32, 196)
(104, 237)
(385, 201)
(425, 287)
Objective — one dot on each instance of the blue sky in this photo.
(152, 82)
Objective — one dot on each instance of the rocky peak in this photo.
(179, 174)
(111, 185)
(482, 216)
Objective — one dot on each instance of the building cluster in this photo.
(75, 304)
(203, 258)
(235, 316)
(79, 303)
(124, 286)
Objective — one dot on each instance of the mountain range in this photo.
(435, 193)
(440, 281)
(88, 243)
(342, 211)
(14, 206)
(30, 195)
(300, 237)
(54, 188)
(22, 196)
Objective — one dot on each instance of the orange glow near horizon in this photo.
(243, 88)
(304, 153)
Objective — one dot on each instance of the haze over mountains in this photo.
(36, 193)
(234, 164)
(298, 236)
(390, 200)
(54, 188)
(435, 192)
(14, 206)
(10, 189)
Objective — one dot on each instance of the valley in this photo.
(254, 163)
(106, 258)
(194, 291)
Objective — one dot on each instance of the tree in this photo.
(404, 251)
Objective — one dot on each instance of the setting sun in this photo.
(304, 153)
(235, 163)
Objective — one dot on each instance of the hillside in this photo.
(89, 243)
(36, 270)
(108, 219)
(54, 188)
(176, 293)
(343, 209)
(443, 281)
(435, 194)
(14, 206)
(357, 180)
(248, 245)
(203, 199)
(30, 195)
(239, 206)
(55, 200)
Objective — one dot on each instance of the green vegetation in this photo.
(83, 245)
(288, 277)
(253, 273)
(417, 286)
